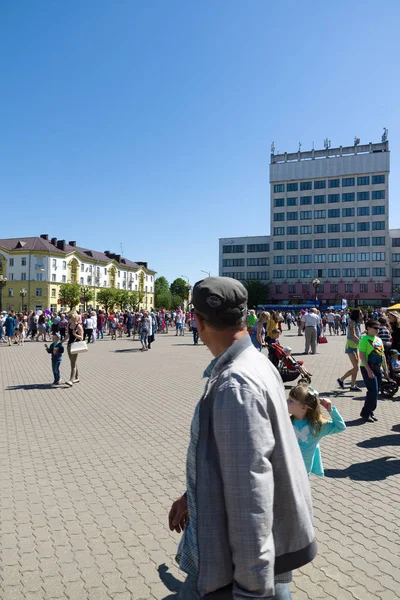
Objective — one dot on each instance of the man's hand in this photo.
(178, 515)
(371, 374)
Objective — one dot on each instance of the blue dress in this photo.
(254, 339)
(10, 326)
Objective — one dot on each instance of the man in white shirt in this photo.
(331, 321)
(311, 321)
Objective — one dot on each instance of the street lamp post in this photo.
(22, 294)
(316, 283)
(206, 272)
(3, 282)
(84, 291)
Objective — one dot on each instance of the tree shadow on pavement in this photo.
(373, 470)
(171, 583)
(34, 386)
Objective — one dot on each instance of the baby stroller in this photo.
(287, 370)
(390, 388)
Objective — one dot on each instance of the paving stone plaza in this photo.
(88, 475)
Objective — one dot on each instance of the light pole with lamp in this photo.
(85, 291)
(316, 283)
(22, 294)
(3, 282)
(189, 287)
(206, 272)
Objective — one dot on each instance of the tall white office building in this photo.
(329, 221)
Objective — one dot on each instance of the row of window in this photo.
(257, 276)
(295, 274)
(238, 248)
(332, 183)
(332, 198)
(333, 288)
(306, 287)
(251, 262)
(396, 242)
(333, 213)
(333, 243)
(332, 228)
(294, 259)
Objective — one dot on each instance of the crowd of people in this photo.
(372, 343)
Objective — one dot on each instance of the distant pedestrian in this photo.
(145, 326)
(56, 349)
(74, 334)
(62, 327)
(373, 363)
(311, 322)
(258, 333)
(195, 331)
(9, 327)
(353, 338)
(100, 325)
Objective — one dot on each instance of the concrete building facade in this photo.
(330, 221)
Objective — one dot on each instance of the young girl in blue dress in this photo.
(310, 426)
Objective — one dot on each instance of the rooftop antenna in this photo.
(299, 146)
(273, 148)
(385, 134)
(327, 144)
(122, 249)
(356, 140)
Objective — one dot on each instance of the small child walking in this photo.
(310, 427)
(56, 350)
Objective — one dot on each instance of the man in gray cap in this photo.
(246, 515)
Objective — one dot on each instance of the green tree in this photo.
(107, 297)
(258, 293)
(179, 289)
(140, 296)
(70, 294)
(176, 301)
(162, 293)
(134, 300)
(163, 299)
(122, 298)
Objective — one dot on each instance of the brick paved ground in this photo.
(88, 474)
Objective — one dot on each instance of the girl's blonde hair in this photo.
(73, 317)
(309, 397)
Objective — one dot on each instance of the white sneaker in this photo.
(69, 383)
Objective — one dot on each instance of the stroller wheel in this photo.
(389, 389)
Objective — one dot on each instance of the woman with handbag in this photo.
(74, 334)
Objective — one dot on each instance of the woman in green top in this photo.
(353, 337)
(372, 357)
(251, 320)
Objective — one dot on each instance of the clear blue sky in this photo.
(150, 123)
